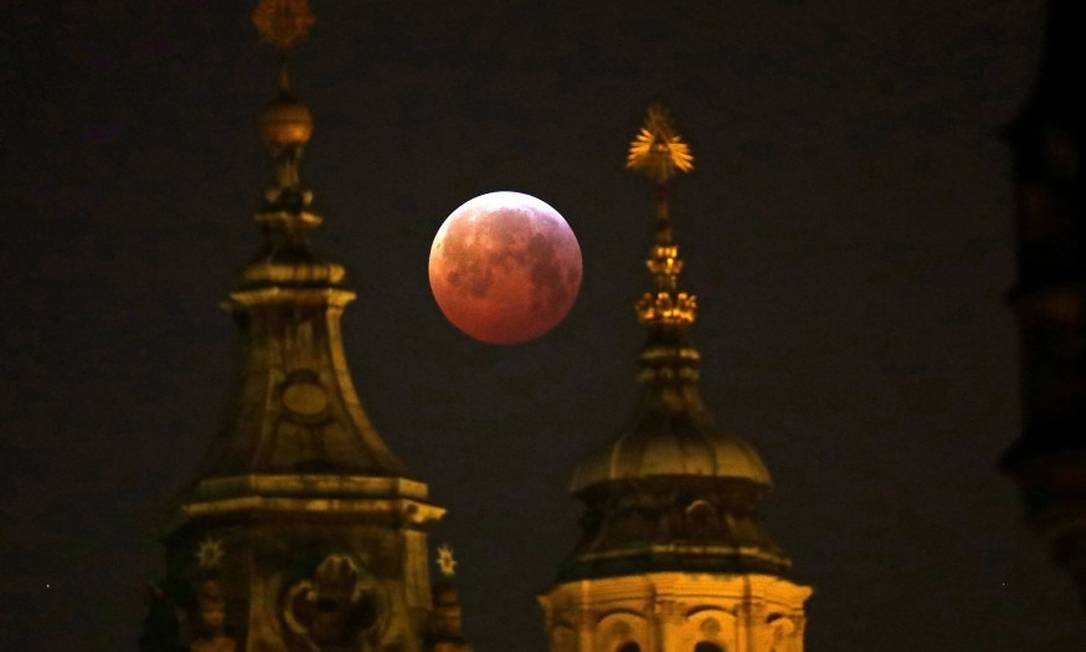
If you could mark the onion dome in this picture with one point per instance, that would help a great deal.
(663, 445)
(671, 432)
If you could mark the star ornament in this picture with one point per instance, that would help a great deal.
(209, 553)
(657, 150)
(283, 23)
(445, 561)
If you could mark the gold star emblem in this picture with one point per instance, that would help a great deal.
(209, 553)
(657, 150)
(445, 560)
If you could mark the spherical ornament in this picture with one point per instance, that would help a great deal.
(285, 122)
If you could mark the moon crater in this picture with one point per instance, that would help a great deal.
(505, 268)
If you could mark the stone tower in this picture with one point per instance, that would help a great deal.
(302, 530)
(1049, 298)
(672, 555)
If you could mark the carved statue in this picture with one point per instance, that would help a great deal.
(341, 608)
(211, 618)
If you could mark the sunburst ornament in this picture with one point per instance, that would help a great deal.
(209, 553)
(283, 23)
(445, 560)
(657, 150)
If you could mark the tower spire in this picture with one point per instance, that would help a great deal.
(285, 124)
(297, 408)
(302, 529)
(668, 363)
(671, 433)
(659, 153)
(673, 554)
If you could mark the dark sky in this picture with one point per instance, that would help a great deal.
(848, 231)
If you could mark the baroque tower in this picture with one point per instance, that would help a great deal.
(302, 530)
(672, 555)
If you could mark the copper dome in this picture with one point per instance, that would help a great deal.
(673, 440)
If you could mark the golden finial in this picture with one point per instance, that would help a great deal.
(658, 150)
(659, 153)
(283, 23)
(445, 560)
(285, 123)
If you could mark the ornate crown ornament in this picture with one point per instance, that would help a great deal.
(283, 23)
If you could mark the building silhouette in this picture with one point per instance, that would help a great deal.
(1049, 297)
(672, 554)
(303, 531)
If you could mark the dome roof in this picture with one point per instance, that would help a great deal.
(673, 443)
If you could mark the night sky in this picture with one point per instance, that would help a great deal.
(848, 230)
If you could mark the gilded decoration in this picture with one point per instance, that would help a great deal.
(283, 23)
(209, 553)
(658, 151)
(446, 562)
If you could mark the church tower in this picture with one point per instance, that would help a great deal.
(1048, 140)
(672, 555)
(302, 530)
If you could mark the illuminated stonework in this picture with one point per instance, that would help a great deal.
(301, 531)
(675, 612)
(673, 555)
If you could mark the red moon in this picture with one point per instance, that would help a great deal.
(505, 268)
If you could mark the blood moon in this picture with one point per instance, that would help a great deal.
(505, 267)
